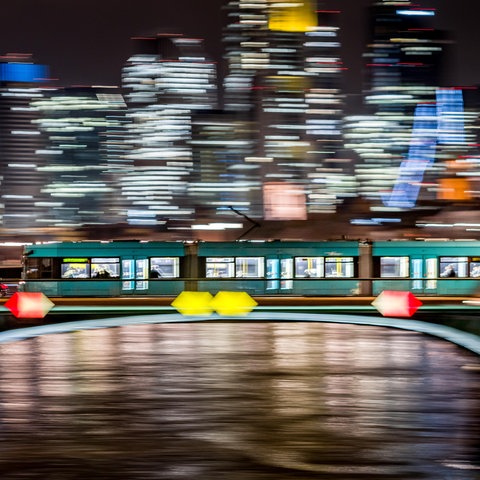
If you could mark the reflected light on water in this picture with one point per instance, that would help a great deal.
(238, 400)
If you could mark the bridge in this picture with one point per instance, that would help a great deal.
(436, 312)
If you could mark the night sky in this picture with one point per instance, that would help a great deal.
(86, 42)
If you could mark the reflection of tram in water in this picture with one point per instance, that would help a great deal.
(257, 267)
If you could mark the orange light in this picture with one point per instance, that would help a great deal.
(454, 189)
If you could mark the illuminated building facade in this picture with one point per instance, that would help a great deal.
(284, 68)
(21, 181)
(165, 81)
(80, 160)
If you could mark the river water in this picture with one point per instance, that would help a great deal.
(239, 401)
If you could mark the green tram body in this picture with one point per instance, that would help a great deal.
(281, 269)
(324, 268)
(425, 261)
(46, 268)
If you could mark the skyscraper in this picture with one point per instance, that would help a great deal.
(284, 68)
(21, 143)
(166, 79)
(80, 161)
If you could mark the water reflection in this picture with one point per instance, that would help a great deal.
(238, 401)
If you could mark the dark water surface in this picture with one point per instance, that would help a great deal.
(239, 401)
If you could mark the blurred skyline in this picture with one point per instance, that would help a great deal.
(349, 163)
(88, 42)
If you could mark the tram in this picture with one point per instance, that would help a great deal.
(323, 268)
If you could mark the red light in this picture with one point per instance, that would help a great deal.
(392, 303)
(29, 304)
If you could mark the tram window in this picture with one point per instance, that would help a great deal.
(475, 269)
(250, 267)
(309, 267)
(339, 267)
(128, 269)
(394, 267)
(39, 268)
(459, 265)
(75, 270)
(286, 272)
(105, 267)
(220, 267)
(286, 268)
(164, 267)
(141, 272)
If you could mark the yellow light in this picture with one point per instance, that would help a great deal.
(224, 303)
(194, 303)
(233, 303)
(292, 16)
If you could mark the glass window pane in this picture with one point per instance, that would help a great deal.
(220, 267)
(339, 267)
(273, 268)
(286, 273)
(394, 267)
(249, 267)
(309, 267)
(105, 268)
(39, 268)
(75, 270)
(141, 266)
(273, 273)
(287, 268)
(417, 272)
(431, 266)
(453, 267)
(475, 269)
(128, 271)
(164, 267)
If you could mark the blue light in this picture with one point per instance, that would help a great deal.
(426, 13)
(442, 123)
(23, 72)
(420, 155)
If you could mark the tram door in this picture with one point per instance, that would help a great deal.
(431, 272)
(423, 274)
(134, 275)
(279, 275)
(417, 274)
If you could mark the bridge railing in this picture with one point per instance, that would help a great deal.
(333, 286)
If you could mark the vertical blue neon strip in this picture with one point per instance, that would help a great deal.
(420, 155)
(442, 123)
